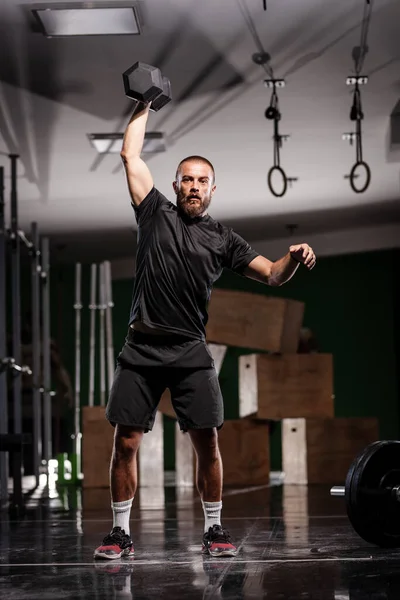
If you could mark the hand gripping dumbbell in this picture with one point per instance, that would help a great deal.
(145, 84)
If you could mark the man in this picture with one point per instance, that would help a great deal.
(181, 253)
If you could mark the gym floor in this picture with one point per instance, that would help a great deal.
(295, 542)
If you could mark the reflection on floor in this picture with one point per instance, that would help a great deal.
(295, 542)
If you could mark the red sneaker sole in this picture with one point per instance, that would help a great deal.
(105, 556)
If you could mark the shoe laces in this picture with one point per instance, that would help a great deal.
(217, 534)
(117, 536)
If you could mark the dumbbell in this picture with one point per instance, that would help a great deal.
(372, 494)
(145, 83)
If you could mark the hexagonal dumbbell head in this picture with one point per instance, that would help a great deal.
(164, 97)
(143, 83)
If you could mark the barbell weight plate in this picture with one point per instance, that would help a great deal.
(372, 510)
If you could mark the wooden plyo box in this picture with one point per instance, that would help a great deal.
(97, 444)
(290, 385)
(244, 447)
(322, 450)
(96, 499)
(254, 321)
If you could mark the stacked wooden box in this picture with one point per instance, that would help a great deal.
(97, 443)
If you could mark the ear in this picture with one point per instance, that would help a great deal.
(214, 187)
(175, 186)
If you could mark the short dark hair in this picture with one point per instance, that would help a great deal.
(195, 158)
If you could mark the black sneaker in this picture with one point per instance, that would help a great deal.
(116, 544)
(217, 542)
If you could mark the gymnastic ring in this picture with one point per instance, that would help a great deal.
(284, 178)
(353, 175)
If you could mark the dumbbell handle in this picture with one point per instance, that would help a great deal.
(140, 106)
(337, 490)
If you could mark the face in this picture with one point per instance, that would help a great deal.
(194, 188)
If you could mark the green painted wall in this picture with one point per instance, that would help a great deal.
(352, 306)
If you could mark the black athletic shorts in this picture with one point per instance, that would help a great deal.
(147, 365)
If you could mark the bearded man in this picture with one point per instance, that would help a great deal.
(181, 252)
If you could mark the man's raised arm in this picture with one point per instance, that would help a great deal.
(138, 176)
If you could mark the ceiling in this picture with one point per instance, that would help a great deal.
(53, 92)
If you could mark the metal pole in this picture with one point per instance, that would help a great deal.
(36, 354)
(77, 435)
(47, 441)
(15, 298)
(109, 327)
(92, 307)
(102, 307)
(3, 342)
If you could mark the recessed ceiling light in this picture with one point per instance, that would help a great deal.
(111, 143)
(106, 143)
(91, 18)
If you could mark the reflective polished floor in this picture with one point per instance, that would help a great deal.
(295, 542)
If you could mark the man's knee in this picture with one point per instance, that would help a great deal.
(127, 440)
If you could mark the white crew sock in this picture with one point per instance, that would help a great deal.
(212, 514)
(121, 514)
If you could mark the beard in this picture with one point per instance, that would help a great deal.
(192, 205)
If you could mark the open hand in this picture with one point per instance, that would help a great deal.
(304, 254)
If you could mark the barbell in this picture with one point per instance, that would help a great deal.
(372, 493)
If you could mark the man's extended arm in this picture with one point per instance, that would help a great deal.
(279, 272)
(138, 176)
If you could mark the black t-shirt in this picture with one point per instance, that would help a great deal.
(178, 260)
